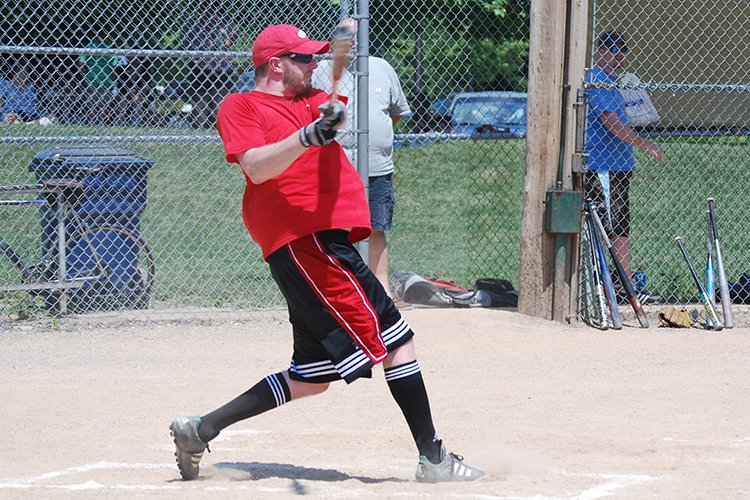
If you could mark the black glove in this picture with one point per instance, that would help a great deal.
(323, 130)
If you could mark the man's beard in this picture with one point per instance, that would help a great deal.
(295, 86)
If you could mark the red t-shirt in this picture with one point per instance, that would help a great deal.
(321, 190)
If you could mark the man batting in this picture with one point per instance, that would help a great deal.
(305, 205)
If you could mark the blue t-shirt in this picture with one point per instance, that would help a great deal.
(606, 152)
(17, 100)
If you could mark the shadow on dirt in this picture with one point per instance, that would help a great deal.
(254, 471)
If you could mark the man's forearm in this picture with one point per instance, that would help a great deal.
(266, 162)
(623, 131)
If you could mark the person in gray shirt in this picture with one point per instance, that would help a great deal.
(211, 78)
(387, 105)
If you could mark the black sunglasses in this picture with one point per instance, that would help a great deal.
(300, 58)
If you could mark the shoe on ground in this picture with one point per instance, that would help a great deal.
(647, 298)
(189, 447)
(643, 297)
(450, 469)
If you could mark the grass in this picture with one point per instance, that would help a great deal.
(670, 200)
(458, 210)
(458, 213)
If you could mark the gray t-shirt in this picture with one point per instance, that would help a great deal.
(386, 100)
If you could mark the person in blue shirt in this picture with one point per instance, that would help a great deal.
(18, 99)
(610, 141)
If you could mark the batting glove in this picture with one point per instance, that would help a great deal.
(323, 130)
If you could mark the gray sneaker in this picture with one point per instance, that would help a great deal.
(450, 468)
(189, 446)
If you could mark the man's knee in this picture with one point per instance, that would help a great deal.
(299, 389)
(403, 354)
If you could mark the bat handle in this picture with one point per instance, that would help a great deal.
(716, 323)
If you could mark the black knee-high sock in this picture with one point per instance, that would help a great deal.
(267, 394)
(407, 387)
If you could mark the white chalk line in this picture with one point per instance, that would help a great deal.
(103, 465)
(613, 483)
(226, 434)
(31, 481)
(740, 443)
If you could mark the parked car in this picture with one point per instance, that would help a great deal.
(489, 115)
(443, 106)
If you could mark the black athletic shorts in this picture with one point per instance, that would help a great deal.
(342, 319)
(618, 222)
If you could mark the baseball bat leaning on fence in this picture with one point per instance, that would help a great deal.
(627, 285)
(726, 301)
(600, 301)
(710, 280)
(710, 309)
(609, 286)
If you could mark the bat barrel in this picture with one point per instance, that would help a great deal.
(627, 285)
(726, 301)
(710, 309)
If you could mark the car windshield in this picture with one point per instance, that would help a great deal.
(489, 110)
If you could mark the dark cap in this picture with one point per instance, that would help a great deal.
(612, 41)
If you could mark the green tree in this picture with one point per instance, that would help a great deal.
(442, 47)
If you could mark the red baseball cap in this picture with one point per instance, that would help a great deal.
(278, 39)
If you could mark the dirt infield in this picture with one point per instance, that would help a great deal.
(551, 411)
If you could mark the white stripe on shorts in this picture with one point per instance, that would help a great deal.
(395, 332)
(311, 370)
(356, 286)
(353, 362)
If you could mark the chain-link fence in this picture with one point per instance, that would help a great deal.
(118, 99)
(121, 97)
(691, 59)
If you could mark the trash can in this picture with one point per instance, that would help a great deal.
(113, 198)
